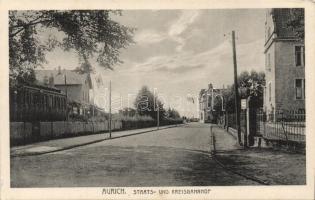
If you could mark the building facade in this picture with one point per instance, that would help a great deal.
(76, 86)
(285, 64)
(207, 99)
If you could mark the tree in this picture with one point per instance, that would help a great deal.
(85, 67)
(250, 84)
(90, 33)
(146, 103)
(130, 112)
(172, 113)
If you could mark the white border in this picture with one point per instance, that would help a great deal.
(226, 192)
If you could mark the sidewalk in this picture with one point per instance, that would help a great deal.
(68, 143)
(267, 165)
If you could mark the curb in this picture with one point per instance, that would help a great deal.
(25, 154)
(232, 132)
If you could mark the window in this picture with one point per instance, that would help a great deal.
(209, 101)
(299, 56)
(299, 89)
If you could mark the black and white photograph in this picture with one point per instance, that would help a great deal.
(188, 99)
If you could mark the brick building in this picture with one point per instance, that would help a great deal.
(284, 66)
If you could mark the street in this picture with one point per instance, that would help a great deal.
(178, 156)
(159, 103)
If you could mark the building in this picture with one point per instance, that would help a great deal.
(33, 103)
(284, 66)
(207, 99)
(76, 86)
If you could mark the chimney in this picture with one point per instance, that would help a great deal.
(51, 81)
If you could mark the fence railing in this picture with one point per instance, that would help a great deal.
(282, 125)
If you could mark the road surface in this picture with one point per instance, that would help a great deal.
(171, 157)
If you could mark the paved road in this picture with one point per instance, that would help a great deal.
(170, 157)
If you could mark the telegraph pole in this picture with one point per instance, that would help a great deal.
(158, 115)
(93, 110)
(110, 109)
(66, 90)
(212, 100)
(237, 103)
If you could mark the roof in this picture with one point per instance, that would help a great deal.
(281, 18)
(215, 90)
(42, 87)
(72, 77)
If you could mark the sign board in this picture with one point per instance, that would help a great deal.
(243, 104)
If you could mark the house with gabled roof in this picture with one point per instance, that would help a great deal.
(75, 85)
(207, 100)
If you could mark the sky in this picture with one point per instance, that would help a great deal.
(176, 54)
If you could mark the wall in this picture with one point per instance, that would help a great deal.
(23, 132)
(269, 24)
(74, 91)
(282, 71)
(86, 91)
(286, 73)
(269, 103)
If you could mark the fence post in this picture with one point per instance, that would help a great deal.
(245, 130)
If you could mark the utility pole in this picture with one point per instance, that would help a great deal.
(93, 108)
(212, 100)
(158, 115)
(110, 109)
(237, 103)
(66, 90)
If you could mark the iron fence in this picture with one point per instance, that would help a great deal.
(285, 125)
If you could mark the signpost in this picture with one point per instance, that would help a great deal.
(243, 104)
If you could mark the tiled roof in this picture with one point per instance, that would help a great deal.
(73, 78)
(282, 17)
